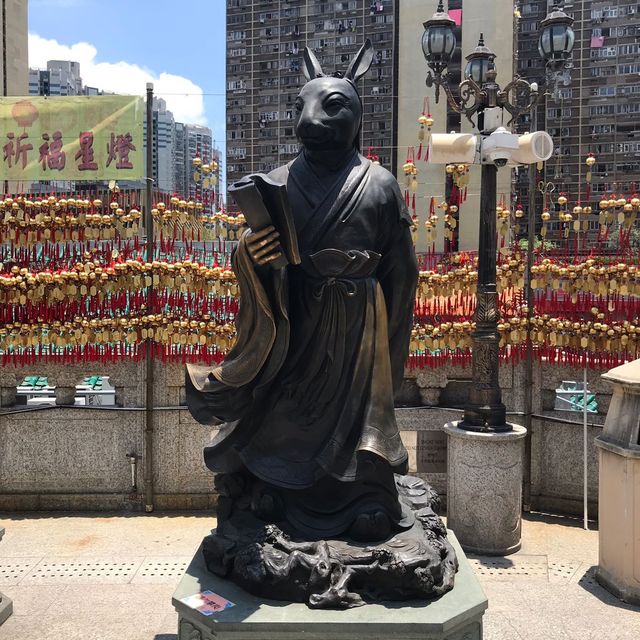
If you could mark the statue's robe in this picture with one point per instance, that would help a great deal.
(305, 398)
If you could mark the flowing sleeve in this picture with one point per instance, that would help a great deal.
(398, 277)
(225, 392)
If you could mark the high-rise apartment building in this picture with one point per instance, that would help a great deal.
(264, 74)
(195, 141)
(198, 143)
(163, 145)
(60, 78)
(14, 66)
(599, 111)
(495, 21)
(40, 82)
(181, 163)
(69, 74)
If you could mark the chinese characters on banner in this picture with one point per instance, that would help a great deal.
(72, 138)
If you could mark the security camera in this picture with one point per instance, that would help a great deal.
(498, 147)
(502, 148)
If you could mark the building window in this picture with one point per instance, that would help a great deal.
(604, 52)
(603, 91)
(555, 112)
(602, 110)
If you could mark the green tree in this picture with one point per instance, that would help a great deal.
(613, 241)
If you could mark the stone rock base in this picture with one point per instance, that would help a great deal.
(457, 615)
(417, 562)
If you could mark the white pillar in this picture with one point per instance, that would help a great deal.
(619, 487)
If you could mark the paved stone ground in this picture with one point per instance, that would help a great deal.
(109, 577)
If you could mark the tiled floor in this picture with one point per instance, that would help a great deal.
(111, 578)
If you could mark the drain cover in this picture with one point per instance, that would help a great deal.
(507, 568)
(12, 570)
(563, 571)
(78, 571)
(161, 569)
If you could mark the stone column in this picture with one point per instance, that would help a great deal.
(430, 397)
(619, 487)
(8, 396)
(65, 395)
(8, 388)
(484, 488)
(64, 381)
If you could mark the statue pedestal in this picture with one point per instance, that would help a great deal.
(484, 489)
(6, 606)
(619, 487)
(457, 615)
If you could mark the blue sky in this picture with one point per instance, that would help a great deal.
(121, 44)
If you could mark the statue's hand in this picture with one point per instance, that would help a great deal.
(264, 246)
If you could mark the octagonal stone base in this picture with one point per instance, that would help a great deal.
(457, 615)
(6, 606)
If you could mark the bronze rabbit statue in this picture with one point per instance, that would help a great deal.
(305, 399)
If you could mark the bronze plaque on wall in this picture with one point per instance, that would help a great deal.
(432, 452)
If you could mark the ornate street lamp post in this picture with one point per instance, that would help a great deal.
(481, 95)
(555, 45)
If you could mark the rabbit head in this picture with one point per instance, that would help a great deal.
(328, 107)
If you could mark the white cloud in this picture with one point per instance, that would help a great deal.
(184, 97)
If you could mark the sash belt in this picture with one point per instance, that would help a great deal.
(345, 286)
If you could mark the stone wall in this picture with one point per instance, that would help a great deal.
(556, 436)
(557, 465)
(447, 383)
(78, 458)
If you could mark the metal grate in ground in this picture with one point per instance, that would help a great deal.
(72, 571)
(46, 571)
(563, 571)
(512, 566)
(161, 569)
(12, 570)
(586, 578)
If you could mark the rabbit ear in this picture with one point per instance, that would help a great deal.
(311, 67)
(361, 63)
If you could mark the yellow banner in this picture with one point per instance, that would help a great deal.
(72, 138)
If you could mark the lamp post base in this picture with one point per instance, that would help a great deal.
(485, 419)
(484, 488)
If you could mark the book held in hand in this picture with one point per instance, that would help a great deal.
(264, 203)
